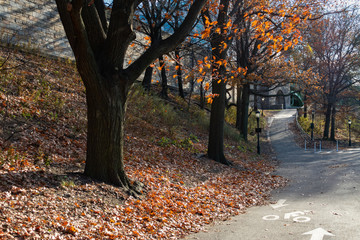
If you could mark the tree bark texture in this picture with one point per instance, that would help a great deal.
(106, 137)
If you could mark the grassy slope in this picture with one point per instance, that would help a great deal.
(42, 153)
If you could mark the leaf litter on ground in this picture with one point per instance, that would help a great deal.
(44, 195)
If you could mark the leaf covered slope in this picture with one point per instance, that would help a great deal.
(43, 194)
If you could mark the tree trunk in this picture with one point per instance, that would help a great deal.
(105, 136)
(238, 106)
(216, 134)
(105, 141)
(217, 116)
(146, 83)
(192, 84)
(255, 98)
(305, 105)
(327, 121)
(202, 95)
(333, 123)
(245, 111)
(164, 85)
(179, 73)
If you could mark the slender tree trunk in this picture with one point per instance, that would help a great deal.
(217, 120)
(255, 98)
(327, 120)
(333, 123)
(179, 73)
(192, 84)
(305, 105)
(217, 116)
(164, 84)
(238, 106)
(245, 111)
(202, 95)
(146, 83)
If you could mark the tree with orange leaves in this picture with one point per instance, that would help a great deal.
(267, 33)
(266, 28)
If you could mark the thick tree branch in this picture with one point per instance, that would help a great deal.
(94, 28)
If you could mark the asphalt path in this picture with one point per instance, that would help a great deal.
(321, 201)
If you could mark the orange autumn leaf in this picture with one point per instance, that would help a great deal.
(207, 86)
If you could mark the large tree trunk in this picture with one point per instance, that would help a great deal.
(146, 83)
(164, 84)
(333, 123)
(245, 111)
(105, 137)
(216, 134)
(238, 106)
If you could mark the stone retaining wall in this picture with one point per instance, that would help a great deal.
(33, 24)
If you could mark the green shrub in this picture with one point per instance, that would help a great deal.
(230, 115)
(305, 123)
(164, 142)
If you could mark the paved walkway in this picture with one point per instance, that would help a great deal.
(322, 200)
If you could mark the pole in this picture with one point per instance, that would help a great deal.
(314, 147)
(320, 147)
(305, 144)
(349, 134)
(337, 145)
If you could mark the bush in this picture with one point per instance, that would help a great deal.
(230, 115)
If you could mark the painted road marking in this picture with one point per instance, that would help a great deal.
(279, 204)
(301, 219)
(318, 234)
(295, 216)
(271, 217)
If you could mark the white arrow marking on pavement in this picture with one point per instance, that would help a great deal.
(293, 214)
(279, 204)
(318, 234)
